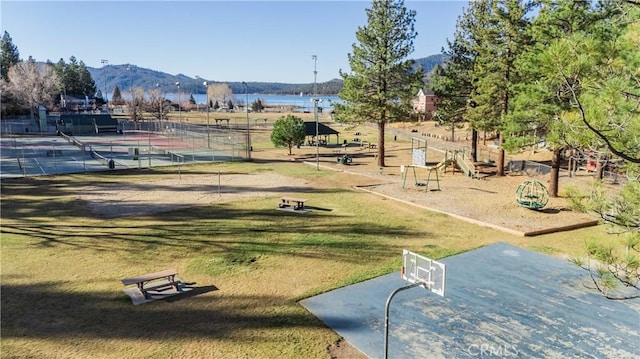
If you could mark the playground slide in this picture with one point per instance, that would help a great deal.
(466, 166)
(440, 165)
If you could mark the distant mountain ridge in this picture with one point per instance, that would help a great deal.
(128, 75)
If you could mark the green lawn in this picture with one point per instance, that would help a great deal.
(61, 266)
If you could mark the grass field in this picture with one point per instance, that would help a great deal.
(62, 265)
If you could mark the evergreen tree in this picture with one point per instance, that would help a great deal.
(72, 78)
(452, 83)
(59, 69)
(382, 81)
(500, 41)
(116, 97)
(539, 100)
(192, 100)
(288, 131)
(9, 55)
(230, 105)
(257, 106)
(87, 85)
(588, 76)
(76, 79)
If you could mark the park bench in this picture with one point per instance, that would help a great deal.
(154, 281)
(296, 203)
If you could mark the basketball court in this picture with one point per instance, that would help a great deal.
(499, 301)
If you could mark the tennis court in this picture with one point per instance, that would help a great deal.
(23, 156)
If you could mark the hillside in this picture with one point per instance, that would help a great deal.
(128, 75)
(430, 62)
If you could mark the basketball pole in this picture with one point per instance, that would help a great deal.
(386, 315)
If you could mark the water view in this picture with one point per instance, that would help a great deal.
(302, 103)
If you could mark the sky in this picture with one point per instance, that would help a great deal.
(253, 41)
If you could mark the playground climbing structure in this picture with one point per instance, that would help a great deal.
(452, 159)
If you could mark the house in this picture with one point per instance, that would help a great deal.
(77, 104)
(425, 103)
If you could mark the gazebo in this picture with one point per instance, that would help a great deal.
(324, 132)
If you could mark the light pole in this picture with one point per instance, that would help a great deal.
(246, 107)
(105, 62)
(315, 111)
(195, 92)
(133, 97)
(206, 87)
(179, 105)
(160, 100)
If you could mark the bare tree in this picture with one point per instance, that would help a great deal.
(31, 85)
(136, 104)
(220, 92)
(155, 104)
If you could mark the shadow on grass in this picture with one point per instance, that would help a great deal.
(193, 291)
(235, 230)
(43, 311)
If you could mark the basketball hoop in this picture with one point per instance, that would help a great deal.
(420, 271)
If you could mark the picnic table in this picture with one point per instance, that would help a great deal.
(154, 281)
(296, 203)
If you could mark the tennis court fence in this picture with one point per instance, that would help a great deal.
(136, 145)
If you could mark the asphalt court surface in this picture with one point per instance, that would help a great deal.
(50, 155)
(500, 301)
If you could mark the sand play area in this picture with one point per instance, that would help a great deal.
(488, 201)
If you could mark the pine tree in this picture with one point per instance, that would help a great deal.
(500, 41)
(87, 85)
(583, 93)
(116, 98)
(76, 79)
(540, 100)
(452, 83)
(9, 55)
(382, 81)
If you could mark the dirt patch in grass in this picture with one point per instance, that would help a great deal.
(166, 193)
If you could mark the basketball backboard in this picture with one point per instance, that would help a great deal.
(427, 272)
(418, 152)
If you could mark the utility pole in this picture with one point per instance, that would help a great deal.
(315, 110)
(105, 62)
(246, 107)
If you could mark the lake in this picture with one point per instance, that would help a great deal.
(302, 102)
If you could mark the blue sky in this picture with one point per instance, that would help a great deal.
(271, 41)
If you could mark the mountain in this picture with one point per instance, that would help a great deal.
(430, 62)
(128, 75)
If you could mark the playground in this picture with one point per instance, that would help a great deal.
(69, 240)
(488, 201)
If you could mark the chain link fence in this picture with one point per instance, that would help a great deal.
(135, 145)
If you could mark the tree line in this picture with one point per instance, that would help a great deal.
(27, 84)
(564, 74)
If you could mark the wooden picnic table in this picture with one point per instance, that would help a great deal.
(297, 203)
(144, 282)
